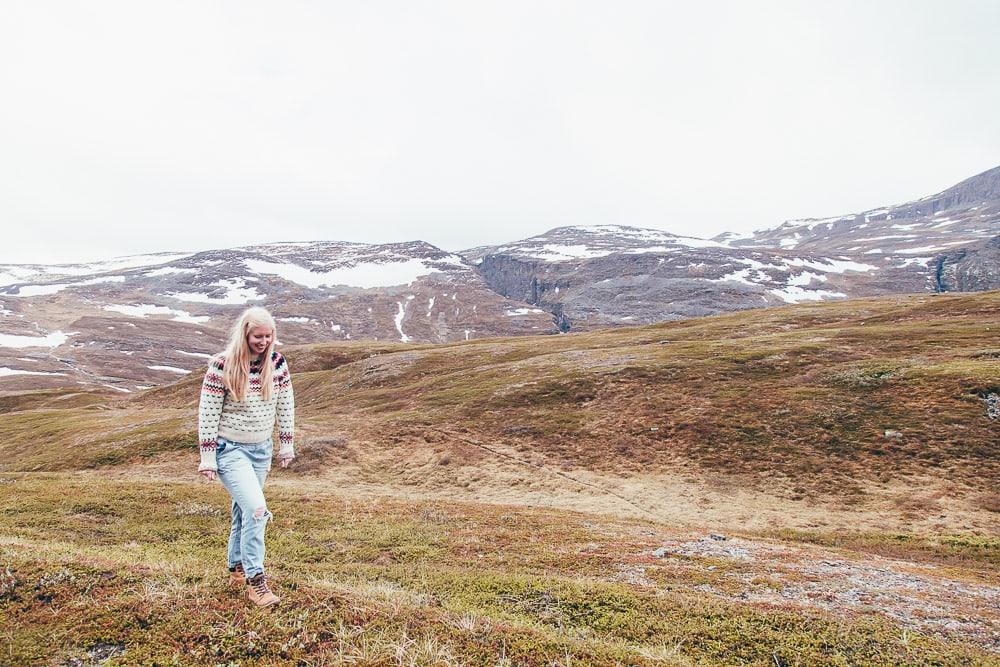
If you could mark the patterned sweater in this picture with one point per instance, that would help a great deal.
(249, 420)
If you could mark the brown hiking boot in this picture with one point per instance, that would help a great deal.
(259, 593)
(237, 577)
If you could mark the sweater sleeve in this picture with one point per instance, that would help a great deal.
(286, 411)
(213, 395)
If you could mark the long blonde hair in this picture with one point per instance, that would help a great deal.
(236, 367)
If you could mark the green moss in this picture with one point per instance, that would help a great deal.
(968, 549)
(99, 564)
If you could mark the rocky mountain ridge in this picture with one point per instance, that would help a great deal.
(142, 322)
(612, 274)
(952, 216)
(133, 322)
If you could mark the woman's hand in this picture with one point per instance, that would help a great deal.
(209, 474)
(284, 461)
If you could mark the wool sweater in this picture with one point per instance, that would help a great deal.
(249, 420)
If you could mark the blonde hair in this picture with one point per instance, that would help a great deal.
(236, 367)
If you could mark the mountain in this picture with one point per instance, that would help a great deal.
(940, 232)
(611, 274)
(135, 322)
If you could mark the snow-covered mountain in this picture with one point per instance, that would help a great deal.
(610, 274)
(613, 274)
(932, 231)
(132, 322)
(588, 242)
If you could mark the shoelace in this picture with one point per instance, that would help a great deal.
(260, 586)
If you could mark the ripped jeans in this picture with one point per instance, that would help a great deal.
(243, 467)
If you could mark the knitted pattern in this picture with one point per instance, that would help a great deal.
(250, 420)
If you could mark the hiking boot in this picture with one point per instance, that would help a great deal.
(259, 593)
(237, 577)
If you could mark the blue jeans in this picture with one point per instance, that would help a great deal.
(243, 467)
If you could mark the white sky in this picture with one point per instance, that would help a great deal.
(130, 127)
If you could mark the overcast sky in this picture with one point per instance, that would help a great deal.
(134, 126)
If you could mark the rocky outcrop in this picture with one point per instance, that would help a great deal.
(972, 269)
(512, 277)
(597, 277)
(979, 189)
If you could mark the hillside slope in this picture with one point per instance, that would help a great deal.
(842, 405)
(807, 484)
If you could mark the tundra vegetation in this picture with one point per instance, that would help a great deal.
(811, 484)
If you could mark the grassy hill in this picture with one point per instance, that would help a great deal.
(503, 501)
(835, 402)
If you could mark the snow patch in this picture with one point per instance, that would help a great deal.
(130, 262)
(171, 369)
(753, 263)
(914, 261)
(45, 290)
(365, 275)
(168, 270)
(194, 354)
(97, 281)
(399, 322)
(39, 290)
(805, 278)
(874, 214)
(237, 293)
(13, 371)
(827, 265)
(146, 309)
(54, 339)
(555, 253)
(692, 242)
(795, 294)
(15, 274)
(740, 276)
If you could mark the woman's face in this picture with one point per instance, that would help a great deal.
(258, 338)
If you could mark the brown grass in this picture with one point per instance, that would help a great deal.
(818, 403)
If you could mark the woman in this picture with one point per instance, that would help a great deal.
(245, 387)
